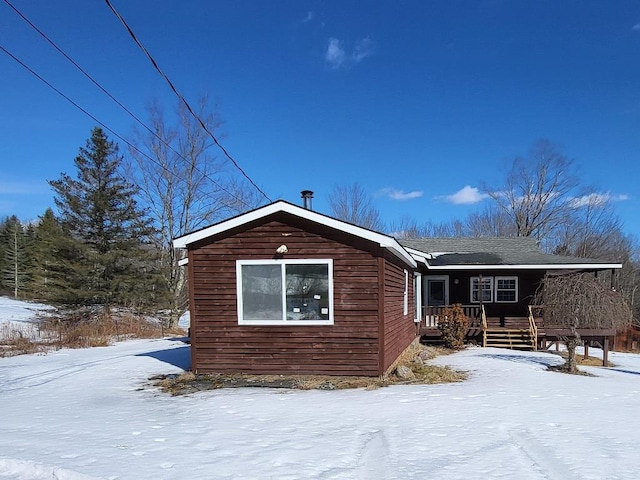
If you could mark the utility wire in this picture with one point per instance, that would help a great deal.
(106, 92)
(106, 127)
(179, 95)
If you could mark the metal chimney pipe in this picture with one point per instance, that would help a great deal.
(307, 196)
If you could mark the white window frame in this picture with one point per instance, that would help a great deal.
(480, 289)
(283, 263)
(425, 284)
(512, 277)
(417, 296)
(405, 298)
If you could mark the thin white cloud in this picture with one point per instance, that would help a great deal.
(467, 195)
(338, 56)
(362, 50)
(310, 16)
(335, 55)
(596, 199)
(636, 27)
(394, 194)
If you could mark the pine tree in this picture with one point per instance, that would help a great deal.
(14, 269)
(105, 255)
(48, 271)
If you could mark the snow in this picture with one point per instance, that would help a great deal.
(184, 321)
(92, 414)
(18, 317)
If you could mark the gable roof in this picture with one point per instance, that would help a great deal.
(384, 241)
(463, 253)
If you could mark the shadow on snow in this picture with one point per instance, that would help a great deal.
(545, 362)
(178, 357)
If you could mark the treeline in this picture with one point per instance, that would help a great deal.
(109, 242)
(541, 196)
(97, 251)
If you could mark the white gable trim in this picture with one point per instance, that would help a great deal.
(549, 266)
(423, 257)
(384, 241)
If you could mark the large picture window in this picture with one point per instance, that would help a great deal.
(285, 292)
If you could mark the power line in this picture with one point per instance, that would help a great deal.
(179, 95)
(106, 127)
(106, 92)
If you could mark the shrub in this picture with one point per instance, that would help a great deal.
(453, 324)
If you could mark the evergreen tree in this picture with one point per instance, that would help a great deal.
(105, 256)
(48, 273)
(14, 265)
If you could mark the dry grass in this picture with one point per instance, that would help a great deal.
(78, 329)
(581, 361)
(102, 330)
(424, 374)
(16, 339)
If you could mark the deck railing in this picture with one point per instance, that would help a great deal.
(483, 315)
(431, 315)
(533, 330)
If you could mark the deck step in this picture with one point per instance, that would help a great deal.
(516, 339)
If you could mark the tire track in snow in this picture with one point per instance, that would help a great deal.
(374, 457)
(23, 469)
(48, 376)
(543, 458)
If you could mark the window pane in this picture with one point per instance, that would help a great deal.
(436, 292)
(307, 291)
(486, 294)
(487, 289)
(505, 296)
(506, 284)
(506, 289)
(262, 292)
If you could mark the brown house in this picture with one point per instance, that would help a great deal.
(497, 276)
(501, 273)
(283, 289)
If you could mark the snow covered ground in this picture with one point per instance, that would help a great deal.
(87, 414)
(18, 316)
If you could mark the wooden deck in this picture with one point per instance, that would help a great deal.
(513, 332)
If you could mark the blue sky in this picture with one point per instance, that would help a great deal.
(418, 101)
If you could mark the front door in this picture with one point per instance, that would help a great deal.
(437, 291)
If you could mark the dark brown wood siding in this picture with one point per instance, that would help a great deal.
(627, 340)
(399, 329)
(349, 347)
(460, 292)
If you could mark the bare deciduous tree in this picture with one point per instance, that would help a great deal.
(183, 184)
(577, 301)
(537, 190)
(491, 222)
(408, 227)
(594, 231)
(353, 204)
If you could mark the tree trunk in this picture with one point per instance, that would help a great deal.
(572, 342)
(571, 364)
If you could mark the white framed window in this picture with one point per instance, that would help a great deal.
(406, 293)
(486, 290)
(417, 296)
(507, 289)
(285, 292)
